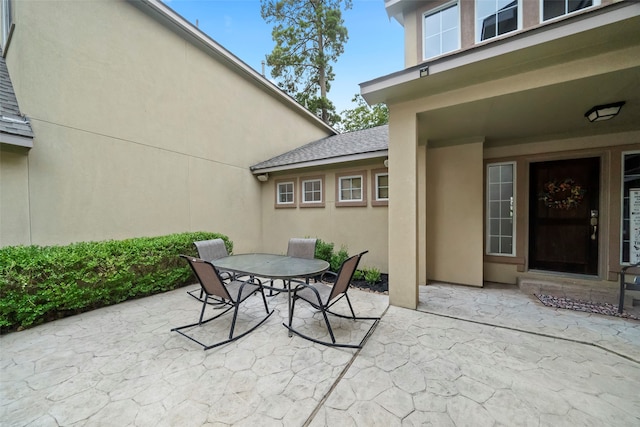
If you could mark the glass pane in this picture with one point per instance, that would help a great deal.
(506, 191)
(574, 5)
(383, 180)
(494, 191)
(506, 245)
(432, 46)
(505, 209)
(383, 193)
(450, 18)
(506, 227)
(485, 8)
(494, 173)
(552, 8)
(494, 245)
(450, 40)
(506, 173)
(508, 21)
(345, 195)
(357, 194)
(432, 25)
(346, 183)
(356, 182)
(494, 227)
(494, 209)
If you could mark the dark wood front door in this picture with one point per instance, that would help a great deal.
(563, 216)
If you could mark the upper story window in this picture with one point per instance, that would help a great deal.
(442, 30)
(495, 17)
(285, 194)
(554, 8)
(312, 189)
(351, 189)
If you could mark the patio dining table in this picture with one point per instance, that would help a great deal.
(273, 266)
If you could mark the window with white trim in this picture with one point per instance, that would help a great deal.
(382, 186)
(496, 17)
(285, 193)
(351, 189)
(554, 8)
(312, 192)
(441, 30)
(630, 233)
(500, 208)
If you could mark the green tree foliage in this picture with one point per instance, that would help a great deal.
(363, 116)
(310, 36)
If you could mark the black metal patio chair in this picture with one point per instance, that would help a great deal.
(232, 294)
(209, 250)
(297, 248)
(323, 298)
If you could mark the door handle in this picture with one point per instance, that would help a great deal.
(594, 224)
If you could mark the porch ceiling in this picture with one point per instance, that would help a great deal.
(550, 112)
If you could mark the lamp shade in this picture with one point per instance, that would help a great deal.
(604, 112)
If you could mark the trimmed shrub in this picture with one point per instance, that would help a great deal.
(43, 283)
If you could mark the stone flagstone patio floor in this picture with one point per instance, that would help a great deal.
(478, 357)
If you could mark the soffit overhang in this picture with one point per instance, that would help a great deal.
(532, 86)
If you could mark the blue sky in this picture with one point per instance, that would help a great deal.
(375, 47)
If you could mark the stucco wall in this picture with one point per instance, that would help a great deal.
(357, 228)
(14, 195)
(454, 214)
(138, 130)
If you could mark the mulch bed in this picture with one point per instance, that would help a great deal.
(380, 287)
(585, 306)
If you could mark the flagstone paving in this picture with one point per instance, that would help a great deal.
(481, 357)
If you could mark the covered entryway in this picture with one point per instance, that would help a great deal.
(563, 215)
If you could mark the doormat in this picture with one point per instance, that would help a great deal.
(585, 306)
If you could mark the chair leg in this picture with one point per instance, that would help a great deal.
(350, 306)
(326, 320)
(233, 322)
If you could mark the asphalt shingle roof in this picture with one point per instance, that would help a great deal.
(335, 146)
(11, 121)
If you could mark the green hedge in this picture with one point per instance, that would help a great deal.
(43, 283)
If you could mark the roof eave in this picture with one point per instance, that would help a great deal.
(17, 140)
(377, 90)
(321, 162)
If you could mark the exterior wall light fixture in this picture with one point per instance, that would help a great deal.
(604, 112)
(263, 178)
(386, 163)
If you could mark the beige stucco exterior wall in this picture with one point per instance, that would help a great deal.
(454, 216)
(14, 195)
(138, 131)
(357, 228)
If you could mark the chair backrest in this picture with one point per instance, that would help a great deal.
(208, 276)
(345, 274)
(302, 248)
(209, 250)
